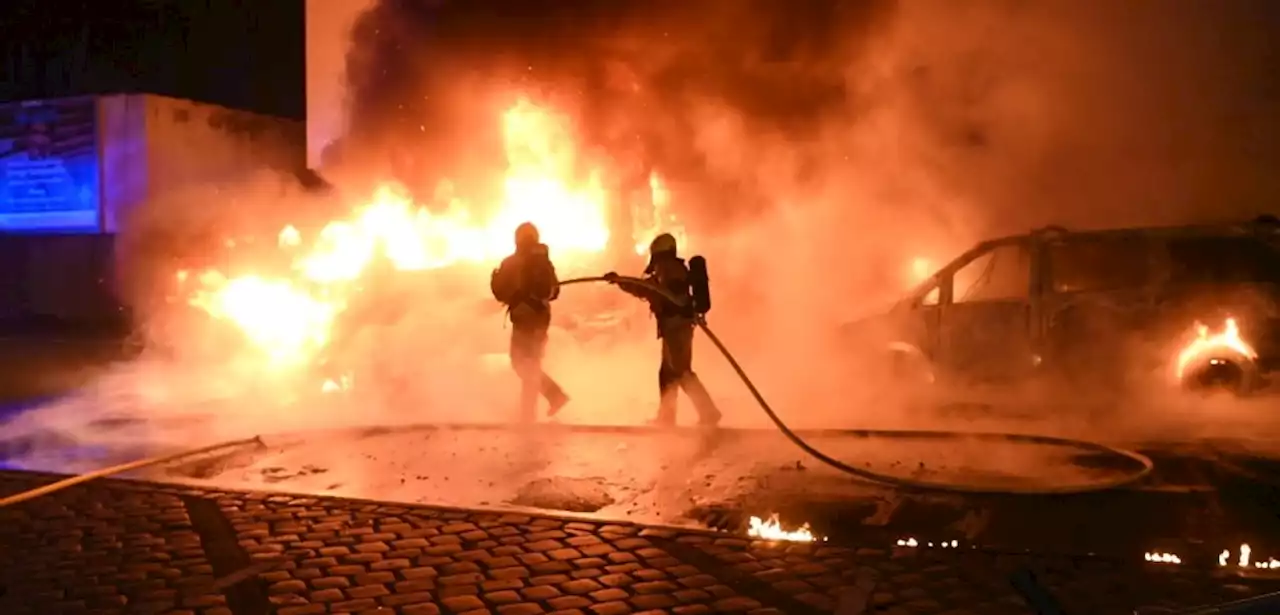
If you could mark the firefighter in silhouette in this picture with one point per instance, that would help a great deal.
(526, 283)
(675, 328)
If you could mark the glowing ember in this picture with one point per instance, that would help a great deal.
(1210, 345)
(1157, 557)
(772, 530)
(289, 316)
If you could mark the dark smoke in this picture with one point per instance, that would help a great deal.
(630, 70)
(1025, 113)
(1101, 113)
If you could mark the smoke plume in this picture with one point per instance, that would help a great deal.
(816, 147)
(1022, 113)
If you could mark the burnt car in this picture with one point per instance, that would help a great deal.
(1195, 306)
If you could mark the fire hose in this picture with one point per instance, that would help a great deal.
(1143, 463)
(120, 469)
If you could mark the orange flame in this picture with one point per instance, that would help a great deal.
(772, 530)
(1161, 557)
(658, 219)
(921, 269)
(289, 317)
(1208, 345)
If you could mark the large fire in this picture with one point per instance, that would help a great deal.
(289, 316)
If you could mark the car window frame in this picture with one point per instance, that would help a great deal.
(1026, 243)
(1174, 276)
(1157, 252)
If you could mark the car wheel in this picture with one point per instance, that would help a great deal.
(1236, 375)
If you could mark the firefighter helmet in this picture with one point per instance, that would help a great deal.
(526, 235)
(663, 243)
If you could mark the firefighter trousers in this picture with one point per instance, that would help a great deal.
(528, 345)
(677, 374)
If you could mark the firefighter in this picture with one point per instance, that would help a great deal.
(526, 283)
(675, 328)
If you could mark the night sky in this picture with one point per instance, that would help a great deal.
(218, 51)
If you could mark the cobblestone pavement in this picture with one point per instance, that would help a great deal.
(126, 547)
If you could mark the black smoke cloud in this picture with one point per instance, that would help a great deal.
(1016, 113)
(629, 71)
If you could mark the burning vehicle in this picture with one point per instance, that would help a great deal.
(1196, 307)
(359, 281)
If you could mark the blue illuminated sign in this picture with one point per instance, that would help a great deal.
(49, 166)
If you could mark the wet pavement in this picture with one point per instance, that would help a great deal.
(1198, 503)
(113, 546)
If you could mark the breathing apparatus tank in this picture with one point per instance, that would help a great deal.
(699, 285)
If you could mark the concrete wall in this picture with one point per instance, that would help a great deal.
(329, 24)
(151, 144)
(122, 154)
(190, 143)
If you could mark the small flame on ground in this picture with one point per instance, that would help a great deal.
(772, 530)
(912, 543)
(1159, 557)
(1245, 559)
(1208, 344)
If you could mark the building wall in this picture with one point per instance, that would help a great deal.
(49, 175)
(154, 144)
(145, 145)
(122, 151)
(193, 143)
(328, 24)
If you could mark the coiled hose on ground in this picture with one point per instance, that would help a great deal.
(1143, 463)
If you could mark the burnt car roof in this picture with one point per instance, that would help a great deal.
(1264, 225)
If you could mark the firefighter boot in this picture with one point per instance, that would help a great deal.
(666, 408)
(708, 413)
(556, 397)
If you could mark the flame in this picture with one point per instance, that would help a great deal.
(336, 386)
(289, 316)
(1208, 344)
(911, 543)
(921, 269)
(1245, 559)
(657, 218)
(772, 530)
(1159, 557)
(278, 318)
